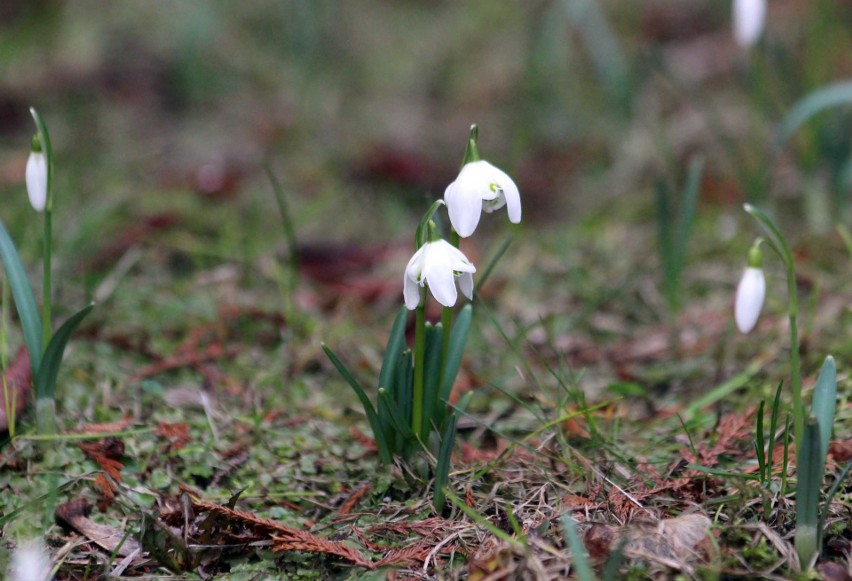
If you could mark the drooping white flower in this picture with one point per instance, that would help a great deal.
(749, 17)
(438, 264)
(37, 180)
(480, 187)
(750, 295)
(30, 563)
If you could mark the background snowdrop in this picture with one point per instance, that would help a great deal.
(36, 177)
(749, 17)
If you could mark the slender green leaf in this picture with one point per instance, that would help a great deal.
(773, 425)
(394, 414)
(369, 410)
(24, 298)
(758, 444)
(431, 379)
(442, 469)
(580, 563)
(458, 340)
(404, 381)
(825, 402)
(45, 379)
(393, 352)
(809, 478)
(831, 96)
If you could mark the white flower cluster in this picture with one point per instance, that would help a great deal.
(437, 264)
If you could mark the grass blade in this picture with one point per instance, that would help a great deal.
(286, 224)
(758, 445)
(481, 520)
(369, 410)
(580, 561)
(24, 298)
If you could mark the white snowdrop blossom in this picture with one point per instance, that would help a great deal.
(750, 295)
(438, 264)
(30, 563)
(37, 180)
(749, 17)
(480, 187)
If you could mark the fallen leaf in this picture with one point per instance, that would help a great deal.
(74, 515)
(19, 385)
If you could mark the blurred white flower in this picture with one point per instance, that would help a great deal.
(750, 295)
(480, 187)
(30, 562)
(438, 264)
(37, 180)
(749, 17)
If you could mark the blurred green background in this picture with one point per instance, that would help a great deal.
(363, 107)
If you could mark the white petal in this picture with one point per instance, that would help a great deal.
(411, 293)
(36, 175)
(466, 285)
(438, 271)
(750, 295)
(512, 195)
(464, 209)
(457, 260)
(749, 17)
(414, 268)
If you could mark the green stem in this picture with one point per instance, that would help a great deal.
(46, 287)
(447, 324)
(795, 362)
(419, 364)
(780, 246)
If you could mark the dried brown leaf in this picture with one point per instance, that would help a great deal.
(74, 515)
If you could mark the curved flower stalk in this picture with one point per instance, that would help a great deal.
(749, 17)
(751, 292)
(36, 176)
(480, 187)
(437, 264)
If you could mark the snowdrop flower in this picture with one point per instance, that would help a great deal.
(480, 186)
(437, 263)
(749, 17)
(30, 563)
(750, 292)
(37, 177)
